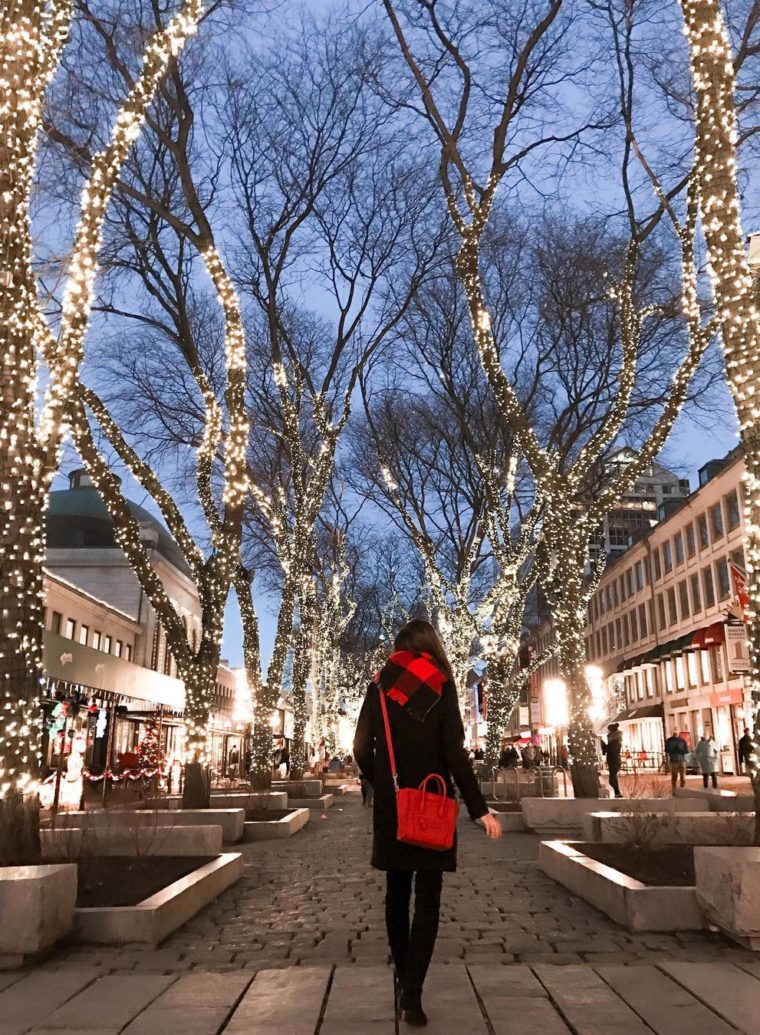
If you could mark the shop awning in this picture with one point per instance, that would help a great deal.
(644, 711)
(704, 638)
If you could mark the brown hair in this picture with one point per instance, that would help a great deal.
(420, 637)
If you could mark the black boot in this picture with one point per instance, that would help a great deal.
(411, 1010)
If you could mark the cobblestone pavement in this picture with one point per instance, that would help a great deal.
(314, 900)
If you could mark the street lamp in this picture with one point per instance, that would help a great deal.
(595, 680)
(556, 708)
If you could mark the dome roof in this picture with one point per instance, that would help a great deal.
(77, 518)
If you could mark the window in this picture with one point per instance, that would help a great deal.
(55, 623)
(696, 600)
(733, 514)
(704, 538)
(672, 609)
(657, 568)
(669, 676)
(604, 640)
(618, 633)
(691, 541)
(640, 686)
(737, 557)
(96, 639)
(629, 583)
(634, 626)
(84, 632)
(642, 621)
(667, 557)
(639, 572)
(704, 662)
(724, 579)
(717, 664)
(680, 673)
(661, 610)
(709, 588)
(71, 628)
(678, 548)
(716, 521)
(107, 644)
(683, 597)
(691, 666)
(118, 649)
(614, 594)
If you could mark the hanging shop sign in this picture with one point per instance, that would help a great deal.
(737, 648)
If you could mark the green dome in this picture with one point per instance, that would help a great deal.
(77, 518)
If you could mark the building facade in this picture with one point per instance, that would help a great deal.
(665, 640)
(105, 652)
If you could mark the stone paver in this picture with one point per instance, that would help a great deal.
(730, 992)
(666, 1007)
(298, 947)
(282, 1001)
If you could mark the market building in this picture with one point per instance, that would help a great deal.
(105, 653)
(665, 641)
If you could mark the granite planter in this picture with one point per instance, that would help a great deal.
(37, 909)
(728, 890)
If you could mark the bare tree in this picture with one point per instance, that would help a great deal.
(32, 37)
(488, 127)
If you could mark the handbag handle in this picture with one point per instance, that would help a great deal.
(436, 778)
(388, 739)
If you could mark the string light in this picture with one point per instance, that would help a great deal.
(31, 40)
(716, 185)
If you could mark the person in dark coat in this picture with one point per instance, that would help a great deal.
(428, 737)
(613, 750)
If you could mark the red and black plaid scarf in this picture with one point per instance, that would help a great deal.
(413, 680)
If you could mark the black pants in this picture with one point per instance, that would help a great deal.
(714, 779)
(614, 783)
(412, 945)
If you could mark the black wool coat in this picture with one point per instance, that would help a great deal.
(433, 746)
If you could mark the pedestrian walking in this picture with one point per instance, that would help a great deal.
(415, 693)
(676, 749)
(707, 756)
(612, 750)
(747, 752)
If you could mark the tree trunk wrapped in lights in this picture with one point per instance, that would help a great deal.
(32, 36)
(717, 189)
(571, 515)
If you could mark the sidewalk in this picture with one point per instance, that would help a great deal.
(303, 932)
(481, 999)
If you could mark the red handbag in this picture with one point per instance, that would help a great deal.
(425, 819)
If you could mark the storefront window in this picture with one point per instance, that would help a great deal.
(680, 675)
(717, 664)
(691, 662)
(704, 663)
(668, 667)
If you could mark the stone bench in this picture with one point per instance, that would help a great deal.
(273, 829)
(728, 890)
(73, 843)
(563, 817)
(719, 800)
(230, 820)
(689, 828)
(299, 788)
(324, 801)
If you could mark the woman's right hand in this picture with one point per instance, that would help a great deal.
(490, 824)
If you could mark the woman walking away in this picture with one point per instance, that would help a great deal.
(424, 735)
(707, 756)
